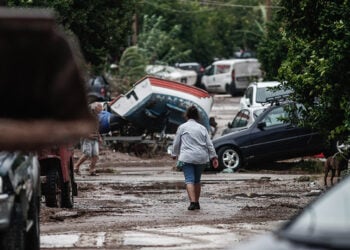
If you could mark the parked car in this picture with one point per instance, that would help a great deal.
(231, 76)
(243, 119)
(187, 77)
(323, 224)
(197, 67)
(19, 201)
(257, 94)
(269, 138)
(57, 179)
(98, 89)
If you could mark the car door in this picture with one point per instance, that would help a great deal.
(207, 78)
(274, 139)
(222, 76)
(247, 99)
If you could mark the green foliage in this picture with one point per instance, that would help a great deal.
(272, 50)
(316, 66)
(210, 30)
(131, 67)
(158, 45)
(155, 46)
(102, 27)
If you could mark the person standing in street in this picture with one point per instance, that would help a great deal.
(194, 150)
(90, 145)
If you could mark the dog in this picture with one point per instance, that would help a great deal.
(336, 163)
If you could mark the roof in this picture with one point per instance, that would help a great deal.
(266, 84)
(229, 61)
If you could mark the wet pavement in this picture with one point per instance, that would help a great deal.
(146, 208)
(141, 203)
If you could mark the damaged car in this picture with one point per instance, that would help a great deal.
(19, 201)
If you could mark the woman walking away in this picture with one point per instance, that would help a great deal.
(194, 149)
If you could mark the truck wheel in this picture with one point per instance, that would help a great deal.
(13, 237)
(33, 235)
(53, 190)
(67, 195)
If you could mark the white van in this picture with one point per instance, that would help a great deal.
(231, 76)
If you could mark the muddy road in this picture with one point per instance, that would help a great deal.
(141, 203)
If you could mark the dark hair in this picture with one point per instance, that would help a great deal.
(192, 113)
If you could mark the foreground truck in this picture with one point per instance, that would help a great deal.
(58, 185)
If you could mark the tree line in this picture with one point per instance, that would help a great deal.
(302, 43)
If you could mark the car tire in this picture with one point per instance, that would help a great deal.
(13, 237)
(229, 157)
(233, 90)
(53, 192)
(33, 236)
(67, 195)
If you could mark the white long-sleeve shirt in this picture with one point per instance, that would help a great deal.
(192, 143)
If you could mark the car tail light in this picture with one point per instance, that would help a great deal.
(233, 75)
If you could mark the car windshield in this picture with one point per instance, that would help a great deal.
(324, 222)
(257, 112)
(241, 119)
(266, 92)
(222, 68)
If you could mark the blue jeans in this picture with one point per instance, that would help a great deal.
(192, 172)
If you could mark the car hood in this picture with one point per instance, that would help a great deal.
(231, 137)
(231, 130)
(270, 241)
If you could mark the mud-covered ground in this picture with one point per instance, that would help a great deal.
(138, 203)
(141, 202)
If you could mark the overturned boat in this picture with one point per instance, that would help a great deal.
(159, 105)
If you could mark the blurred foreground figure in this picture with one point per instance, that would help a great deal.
(42, 95)
(42, 105)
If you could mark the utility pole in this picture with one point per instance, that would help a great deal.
(268, 10)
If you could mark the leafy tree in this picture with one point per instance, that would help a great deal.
(272, 50)
(158, 45)
(131, 68)
(103, 27)
(316, 66)
(214, 29)
(155, 46)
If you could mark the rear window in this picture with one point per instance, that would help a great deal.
(189, 67)
(263, 93)
(222, 68)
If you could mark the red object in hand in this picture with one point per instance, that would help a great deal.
(215, 162)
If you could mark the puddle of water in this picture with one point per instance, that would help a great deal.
(132, 238)
(171, 238)
(59, 240)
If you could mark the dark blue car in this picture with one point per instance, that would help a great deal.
(269, 138)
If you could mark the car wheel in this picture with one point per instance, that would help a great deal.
(33, 235)
(67, 195)
(229, 158)
(53, 191)
(13, 237)
(233, 89)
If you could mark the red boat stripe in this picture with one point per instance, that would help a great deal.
(178, 86)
